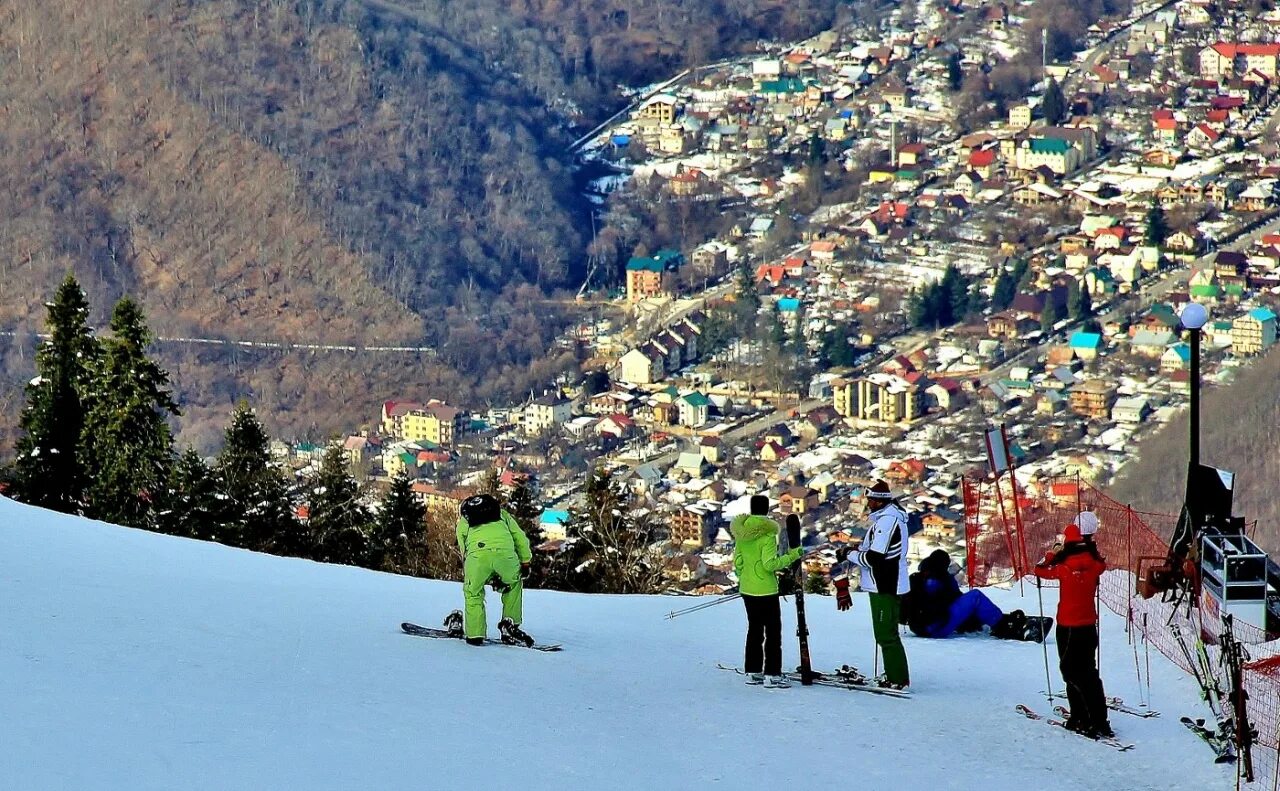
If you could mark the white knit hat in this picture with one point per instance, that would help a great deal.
(1087, 521)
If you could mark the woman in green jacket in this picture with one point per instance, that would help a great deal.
(757, 561)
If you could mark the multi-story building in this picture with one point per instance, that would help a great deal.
(544, 414)
(1221, 60)
(436, 500)
(1093, 399)
(1254, 332)
(1060, 156)
(435, 421)
(691, 524)
(645, 273)
(880, 397)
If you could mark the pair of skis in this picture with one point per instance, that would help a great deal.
(1118, 705)
(1221, 744)
(1110, 741)
(844, 678)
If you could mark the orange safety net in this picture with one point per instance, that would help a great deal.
(1009, 529)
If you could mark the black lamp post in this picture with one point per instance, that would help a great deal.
(1194, 316)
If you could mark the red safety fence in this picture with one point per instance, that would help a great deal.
(1007, 532)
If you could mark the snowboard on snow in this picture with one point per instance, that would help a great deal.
(428, 631)
(841, 679)
(1110, 741)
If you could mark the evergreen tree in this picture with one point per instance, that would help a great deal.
(524, 507)
(747, 304)
(338, 522)
(192, 505)
(955, 73)
(609, 546)
(1054, 104)
(1049, 315)
(1079, 304)
(1005, 290)
(1157, 225)
(399, 540)
(126, 436)
(260, 511)
(49, 471)
(817, 152)
(777, 332)
(816, 583)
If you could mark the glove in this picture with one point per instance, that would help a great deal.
(524, 570)
(842, 552)
(793, 531)
(843, 600)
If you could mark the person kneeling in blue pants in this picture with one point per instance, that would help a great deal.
(934, 606)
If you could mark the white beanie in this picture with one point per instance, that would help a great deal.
(1087, 521)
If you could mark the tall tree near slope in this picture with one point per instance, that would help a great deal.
(50, 470)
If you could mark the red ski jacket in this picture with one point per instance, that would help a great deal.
(1078, 573)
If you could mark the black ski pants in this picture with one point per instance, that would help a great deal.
(1077, 655)
(764, 635)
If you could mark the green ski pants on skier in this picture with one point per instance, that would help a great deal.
(884, 625)
(477, 570)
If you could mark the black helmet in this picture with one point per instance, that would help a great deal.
(481, 509)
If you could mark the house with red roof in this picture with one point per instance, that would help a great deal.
(1224, 59)
(984, 162)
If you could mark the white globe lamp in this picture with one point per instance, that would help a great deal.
(1194, 316)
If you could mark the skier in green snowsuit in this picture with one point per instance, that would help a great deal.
(494, 549)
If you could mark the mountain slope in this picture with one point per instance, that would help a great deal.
(1231, 416)
(137, 661)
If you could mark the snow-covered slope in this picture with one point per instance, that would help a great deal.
(135, 661)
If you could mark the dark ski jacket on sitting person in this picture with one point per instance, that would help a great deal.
(755, 555)
(1077, 568)
(932, 591)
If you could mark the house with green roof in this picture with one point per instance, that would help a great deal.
(1059, 155)
(694, 409)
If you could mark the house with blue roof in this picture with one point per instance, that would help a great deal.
(788, 305)
(553, 524)
(1176, 358)
(1086, 345)
(1254, 332)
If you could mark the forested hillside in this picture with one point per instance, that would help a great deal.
(324, 171)
(1238, 433)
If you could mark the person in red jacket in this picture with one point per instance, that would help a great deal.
(1077, 567)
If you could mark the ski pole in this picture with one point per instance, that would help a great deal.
(703, 606)
(1044, 647)
(1146, 651)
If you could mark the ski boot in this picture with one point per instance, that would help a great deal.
(884, 683)
(776, 682)
(453, 623)
(475, 641)
(755, 679)
(512, 634)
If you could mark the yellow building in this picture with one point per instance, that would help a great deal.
(883, 398)
(435, 422)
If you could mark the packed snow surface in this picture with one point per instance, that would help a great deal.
(136, 661)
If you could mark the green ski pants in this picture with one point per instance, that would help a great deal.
(884, 624)
(477, 570)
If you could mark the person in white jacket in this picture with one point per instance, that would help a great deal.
(882, 561)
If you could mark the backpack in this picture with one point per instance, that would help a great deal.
(481, 510)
